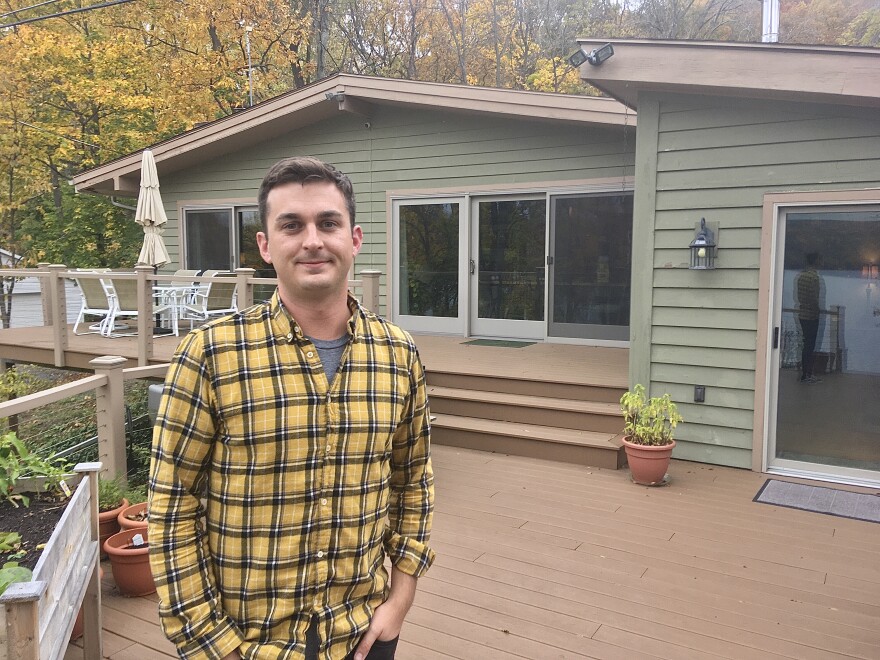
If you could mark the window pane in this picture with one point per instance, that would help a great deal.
(429, 260)
(592, 255)
(207, 239)
(511, 284)
(249, 253)
(829, 368)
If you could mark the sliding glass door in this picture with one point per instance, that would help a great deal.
(524, 266)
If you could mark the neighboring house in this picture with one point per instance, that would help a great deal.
(509, 214)
(778, 147)
(27, 304)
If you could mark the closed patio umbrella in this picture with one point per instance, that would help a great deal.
(151, 214)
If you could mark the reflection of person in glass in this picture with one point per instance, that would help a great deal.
(806, 290)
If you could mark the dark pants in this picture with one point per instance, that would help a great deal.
(809, 330)
(379, 651)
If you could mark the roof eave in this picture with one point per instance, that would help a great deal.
(849, 76)
(359, 95)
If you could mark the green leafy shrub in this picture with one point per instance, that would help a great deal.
(648, 421)
(12, 573)
(110, 493)
(17, 462)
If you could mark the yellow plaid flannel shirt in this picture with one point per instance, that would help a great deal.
(274, 498)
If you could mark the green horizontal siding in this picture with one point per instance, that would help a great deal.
(717, 158)
(406, 149)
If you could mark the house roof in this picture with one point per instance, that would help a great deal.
(343, 93)
(823, 74)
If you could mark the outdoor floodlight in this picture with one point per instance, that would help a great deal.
(703, 248)
(578, 58)
(599, 55)
(335, 96)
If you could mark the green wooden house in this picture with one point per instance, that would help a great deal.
(547, 218)
(778, 148)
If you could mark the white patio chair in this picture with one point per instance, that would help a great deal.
(215, 297)
(94, 303)
(122, 294)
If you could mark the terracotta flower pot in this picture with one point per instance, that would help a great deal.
(648, 464)
(126, 517)
(108, 524)
(131, 566)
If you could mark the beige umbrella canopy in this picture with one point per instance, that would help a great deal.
(151, 214)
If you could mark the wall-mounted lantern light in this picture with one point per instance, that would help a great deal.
(703, 248)
(871, 272)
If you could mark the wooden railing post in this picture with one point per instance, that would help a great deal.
(370, 279)
(110, 402)
(58, 311)
(91, 606)
(244, 288)
(45, 293)
(22, 600)
(145, 314)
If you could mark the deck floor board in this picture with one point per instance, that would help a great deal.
(546, 560)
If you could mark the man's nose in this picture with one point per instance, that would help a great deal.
(312, 238)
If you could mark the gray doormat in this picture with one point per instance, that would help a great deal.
(504, 343)
(859, 506)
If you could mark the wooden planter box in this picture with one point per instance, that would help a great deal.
(37, 616)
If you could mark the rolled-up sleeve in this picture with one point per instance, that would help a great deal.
(190, 605)
(411, 505)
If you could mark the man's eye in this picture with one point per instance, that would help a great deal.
(330, 224)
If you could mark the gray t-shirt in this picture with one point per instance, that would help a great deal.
(330, 351)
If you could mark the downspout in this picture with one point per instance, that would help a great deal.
(120, 205)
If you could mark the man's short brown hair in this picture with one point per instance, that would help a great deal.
(303, 169)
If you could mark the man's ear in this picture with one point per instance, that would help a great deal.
(357, 238)
(263, 244)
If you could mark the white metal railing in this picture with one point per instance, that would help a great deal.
(53, 294)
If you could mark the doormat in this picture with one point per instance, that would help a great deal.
(503, 343)
(842, 503)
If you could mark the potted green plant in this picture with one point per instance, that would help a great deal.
(111, 501)
(649, 426)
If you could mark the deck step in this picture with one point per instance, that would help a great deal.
(544, 387)
(597, 416)
(571, 445)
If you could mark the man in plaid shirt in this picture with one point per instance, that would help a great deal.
(291, 455)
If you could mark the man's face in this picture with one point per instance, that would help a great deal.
(310, 241)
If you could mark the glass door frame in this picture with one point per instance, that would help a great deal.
(769, 462)
(456, 325)
(502, 328)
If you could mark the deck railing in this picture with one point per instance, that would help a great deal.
(52, 279)
(108, 385)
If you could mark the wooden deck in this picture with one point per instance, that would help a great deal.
(537, 559)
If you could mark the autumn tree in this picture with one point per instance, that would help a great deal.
(829, 21)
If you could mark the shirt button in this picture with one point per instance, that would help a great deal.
(296, 328)
(324, 501)
(320, 554)
(290, 336)
(309, 354)
(329, 448)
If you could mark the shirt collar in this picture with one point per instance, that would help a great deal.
(284, 325)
